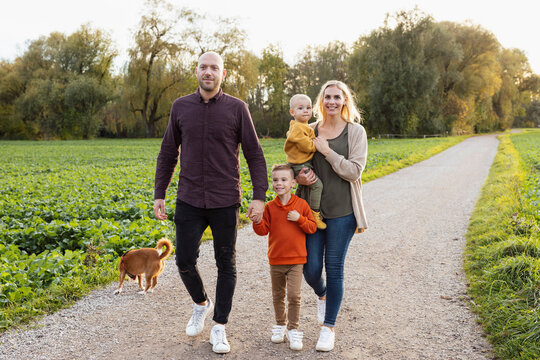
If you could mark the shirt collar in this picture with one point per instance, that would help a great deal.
(213, 99)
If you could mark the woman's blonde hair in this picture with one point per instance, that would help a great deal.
(349, 112)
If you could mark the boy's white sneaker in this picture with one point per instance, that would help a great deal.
(326, 339)
(321, 310)
(218, 339)
(295, 339)
(196, 323)
(278, 333)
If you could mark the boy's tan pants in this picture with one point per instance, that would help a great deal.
(287, 279)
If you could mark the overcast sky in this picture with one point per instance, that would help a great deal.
(293, 24)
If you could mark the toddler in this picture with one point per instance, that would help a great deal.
(299, 149)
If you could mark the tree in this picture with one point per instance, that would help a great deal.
(531, 118)
(529, 88)
(242, 74)
(163, 59)
(227, 38)
(11, 87)
(33, 95)
(425, 77)
(85, 98)
(478, 77)
(317, 65)
(509, 102)
(158, 69)
(396, 75)
(270, 101)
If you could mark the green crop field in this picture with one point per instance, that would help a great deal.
(69, 209)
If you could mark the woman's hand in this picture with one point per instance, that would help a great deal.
(306, 177)
(321, 144)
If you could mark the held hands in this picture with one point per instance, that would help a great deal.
(255, 211)
(293, 215)
(159, 209)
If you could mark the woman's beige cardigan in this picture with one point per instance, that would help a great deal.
(351, 169)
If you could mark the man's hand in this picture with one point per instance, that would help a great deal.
(159, 209)
(293, 215)
(306, 176)
(255, 211)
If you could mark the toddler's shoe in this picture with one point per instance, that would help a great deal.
(318, 220)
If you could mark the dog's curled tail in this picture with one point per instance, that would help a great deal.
(167, 243)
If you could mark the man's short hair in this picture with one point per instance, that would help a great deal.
(213, 53)
(278, 167)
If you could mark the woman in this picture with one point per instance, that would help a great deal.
(339, 161)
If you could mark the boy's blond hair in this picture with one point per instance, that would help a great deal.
(278, 167)
(296, 97)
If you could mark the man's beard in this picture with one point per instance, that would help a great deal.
(206, 87)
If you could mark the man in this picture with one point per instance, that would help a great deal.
(208, 126)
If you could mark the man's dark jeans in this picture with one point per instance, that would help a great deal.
(190, 224)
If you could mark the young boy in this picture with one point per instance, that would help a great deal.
(299, 149)
(287, 219)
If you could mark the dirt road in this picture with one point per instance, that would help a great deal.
(405, 289)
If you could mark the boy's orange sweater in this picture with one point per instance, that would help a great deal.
(287, 239)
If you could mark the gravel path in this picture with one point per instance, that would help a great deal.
(405, 288)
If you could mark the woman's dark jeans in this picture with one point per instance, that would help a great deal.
(190, 225)
(330, 245)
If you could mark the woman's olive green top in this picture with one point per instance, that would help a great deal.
(336, 195)
(348, 167)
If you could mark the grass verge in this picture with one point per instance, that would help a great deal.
(502, 258)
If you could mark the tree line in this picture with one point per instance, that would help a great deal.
(411, 76)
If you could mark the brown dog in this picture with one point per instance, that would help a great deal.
(147, 261)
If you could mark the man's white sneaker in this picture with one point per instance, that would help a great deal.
(295, 339)
(218, 339)
(321, 310)
(278, 333)
(326, 339)
(196, 323)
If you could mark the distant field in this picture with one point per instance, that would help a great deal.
(68, 209)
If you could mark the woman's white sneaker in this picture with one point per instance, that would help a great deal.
(321, 310)
(295, 339)
(278, 333)
(218, 339)
(326, 339)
